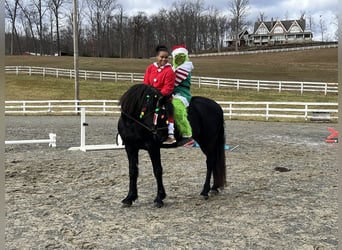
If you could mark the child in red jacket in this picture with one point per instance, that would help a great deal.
(161, 76)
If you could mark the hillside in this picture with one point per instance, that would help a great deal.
(309, 65)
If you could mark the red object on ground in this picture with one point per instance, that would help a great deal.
(333, 137)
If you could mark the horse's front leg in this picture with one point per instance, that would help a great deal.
(158, 173)
(132, 154)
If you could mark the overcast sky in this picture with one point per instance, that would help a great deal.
(326, 9)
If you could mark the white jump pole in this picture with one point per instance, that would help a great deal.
(83, 130)
(84, 147)
(51, 141)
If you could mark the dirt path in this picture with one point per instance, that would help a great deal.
(61, 199)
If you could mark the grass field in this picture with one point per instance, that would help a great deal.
(311, 65)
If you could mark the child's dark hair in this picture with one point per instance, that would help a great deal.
(161, 48)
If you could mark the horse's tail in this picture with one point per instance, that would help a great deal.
(219, 171)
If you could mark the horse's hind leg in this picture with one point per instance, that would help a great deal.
(132, 154)
(206, 187)
(158, 173)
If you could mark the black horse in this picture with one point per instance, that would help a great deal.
(143, 125)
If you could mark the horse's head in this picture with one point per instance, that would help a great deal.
(145, 108)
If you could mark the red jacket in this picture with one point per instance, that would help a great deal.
(162, 78)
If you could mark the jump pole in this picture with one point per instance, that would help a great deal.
(83, 147)
(51, 141)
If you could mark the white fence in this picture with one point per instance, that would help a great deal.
(271, 50)
(251, 110)
(238, 84)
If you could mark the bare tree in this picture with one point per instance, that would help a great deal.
(11, 12)
(29, 14)
(262, 16)
(120, 30)
(311, 23)
(239, 10)
(105, 30)
(55, 6)
(101, 14)
(139, 26)
(184, 23)
(38, 20)
(322, 27)
(335, 23)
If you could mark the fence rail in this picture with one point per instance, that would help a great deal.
(238, 84)
(261, 110)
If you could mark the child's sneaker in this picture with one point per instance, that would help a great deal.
(170, 140)
(188, 142)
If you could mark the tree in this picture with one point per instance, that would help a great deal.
(239, 11)
(139, 27)
(335, 23)
(184, 23)
(55, 6)
(101, 15)
(322, 27)
(29, 14)
(40, 10)
(11, 12)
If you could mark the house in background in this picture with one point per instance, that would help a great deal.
(244, 39)
(280, 32)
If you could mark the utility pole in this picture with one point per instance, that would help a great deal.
(76, 67)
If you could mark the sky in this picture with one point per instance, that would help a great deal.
(326, 10)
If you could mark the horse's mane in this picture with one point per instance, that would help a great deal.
(134, 99)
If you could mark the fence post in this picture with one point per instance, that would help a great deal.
(101, 76)
(237, 84)
(17, 70)
(49, 106)
(258, 85)
(57, 73)
(218, 83)
(267, 111)
(301, 88)
(306, 112)
(24, 106)
(44, 71)
(325, 88)
(76, 106)
(199, 82)
(280, 86)
(30, 71)
(230, 111)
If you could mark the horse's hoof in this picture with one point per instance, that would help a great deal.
(158, 204)
(126, 203)
(214, 191)
(205, 197)
(205, 194)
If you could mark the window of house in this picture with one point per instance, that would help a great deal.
(294, 29)
(262, 31)
(278, 30)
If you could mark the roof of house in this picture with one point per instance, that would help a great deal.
(286, 23)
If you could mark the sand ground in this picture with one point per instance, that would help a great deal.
(62, 199)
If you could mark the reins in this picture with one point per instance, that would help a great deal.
(153, 130)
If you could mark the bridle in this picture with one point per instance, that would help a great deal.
(154, 130)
